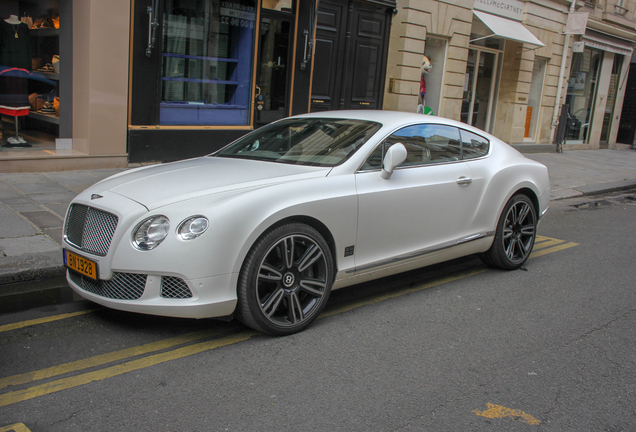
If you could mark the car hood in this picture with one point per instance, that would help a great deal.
(159, 185)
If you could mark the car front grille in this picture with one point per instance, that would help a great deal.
(174, 288)
(123, 286)
(90, 229)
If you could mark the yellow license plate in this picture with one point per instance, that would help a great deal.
(80, 264)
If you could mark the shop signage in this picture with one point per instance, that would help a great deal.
(607, 46)
(512, 9)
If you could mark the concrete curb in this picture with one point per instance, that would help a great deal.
(593, 189)
(33, 267)
(597, 189)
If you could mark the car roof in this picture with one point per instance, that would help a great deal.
(393, 118)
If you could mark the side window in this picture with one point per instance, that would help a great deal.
(431, 143)
(428, 143)
(474, 146)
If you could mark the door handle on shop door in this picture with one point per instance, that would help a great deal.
(464, 181)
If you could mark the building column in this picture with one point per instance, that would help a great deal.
(101, 43)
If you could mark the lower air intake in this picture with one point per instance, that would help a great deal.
(123, 286)
(174, 288)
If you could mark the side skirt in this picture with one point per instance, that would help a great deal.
(414, 260)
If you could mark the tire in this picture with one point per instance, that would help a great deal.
(515, 235)
(285, 280)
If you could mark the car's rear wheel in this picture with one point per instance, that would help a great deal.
(515, 235)
(285, 280)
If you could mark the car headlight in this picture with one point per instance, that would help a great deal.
(192, 227)
(150, 232)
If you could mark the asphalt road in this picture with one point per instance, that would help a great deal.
(453, 348)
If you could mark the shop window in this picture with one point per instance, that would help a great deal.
(436, 52)
(534, 98)
(30, 76)
(206, 69)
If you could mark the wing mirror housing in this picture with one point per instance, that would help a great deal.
(395, 155)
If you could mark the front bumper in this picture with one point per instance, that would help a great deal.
(134, 292)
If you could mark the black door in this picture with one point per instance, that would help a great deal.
(350, 55)
(628, 115)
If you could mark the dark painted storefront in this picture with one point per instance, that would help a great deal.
(215, 63)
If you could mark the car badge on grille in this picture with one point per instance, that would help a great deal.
(96, 196)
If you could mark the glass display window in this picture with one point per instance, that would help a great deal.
(206, 65)
(435, 51)
(30, 75)
(581, 94)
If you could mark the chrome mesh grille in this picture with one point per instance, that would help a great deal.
(123, 286)
(174, 288)
(90, 229)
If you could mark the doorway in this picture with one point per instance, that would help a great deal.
(627, 128)
(350, 55)
(480, 84)
(581, 96)
(272, 70)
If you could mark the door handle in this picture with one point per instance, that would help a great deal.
(153, 23)
(464, 181)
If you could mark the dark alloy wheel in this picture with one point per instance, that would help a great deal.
(286, 280)
(515, 235)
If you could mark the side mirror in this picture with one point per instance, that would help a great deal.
(395, 155)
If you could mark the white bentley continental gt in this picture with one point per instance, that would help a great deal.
(264, 229)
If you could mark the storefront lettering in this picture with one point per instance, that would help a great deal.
(512, 9)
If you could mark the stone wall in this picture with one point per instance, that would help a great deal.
(415, 20)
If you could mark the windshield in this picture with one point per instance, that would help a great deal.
(303, 141)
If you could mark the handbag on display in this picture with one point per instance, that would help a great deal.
(39, 103)
(56, 105)
(56, 63)
(33, 101)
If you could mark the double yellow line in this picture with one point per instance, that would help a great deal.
(216, 338)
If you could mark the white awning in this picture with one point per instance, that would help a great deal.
(507, 29)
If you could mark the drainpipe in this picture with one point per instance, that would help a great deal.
(564, 56)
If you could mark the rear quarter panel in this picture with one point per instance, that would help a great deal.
(502, 175)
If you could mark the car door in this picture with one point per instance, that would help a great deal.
(428, 201)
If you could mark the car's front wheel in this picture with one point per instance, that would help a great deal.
(285, 280)
(515, 235)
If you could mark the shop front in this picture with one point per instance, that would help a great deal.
(596, 88)
(207, 72)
